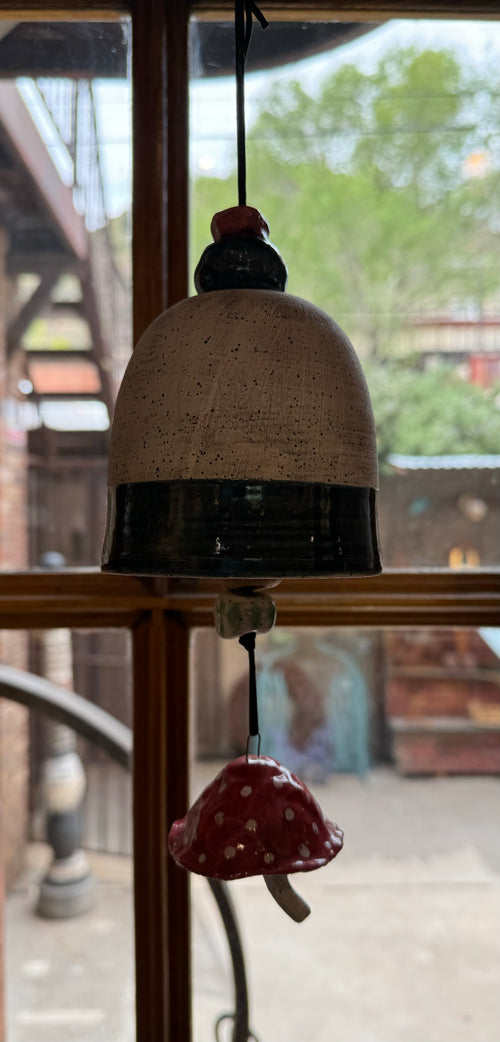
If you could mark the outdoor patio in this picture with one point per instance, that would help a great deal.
(402, 943)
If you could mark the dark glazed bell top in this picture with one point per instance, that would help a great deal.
(241, 257)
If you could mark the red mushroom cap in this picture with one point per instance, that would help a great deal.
(255, 818)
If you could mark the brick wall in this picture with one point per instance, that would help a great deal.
(422, 517)
(13, 555)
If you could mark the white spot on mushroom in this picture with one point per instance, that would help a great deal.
(251, 825)
(222, 786)
(315, 828)
(202, 858)
(229, 852)
(304, 851)
(289, 814)
(246, 790)
(219, 818)
(268, 858)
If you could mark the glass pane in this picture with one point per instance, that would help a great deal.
(397, 736)
(374, 158)
(65, 270)
(66, 839)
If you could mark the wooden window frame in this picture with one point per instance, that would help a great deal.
(161, 614)
(160, 617)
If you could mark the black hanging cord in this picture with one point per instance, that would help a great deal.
(248, 642)
(244, 13)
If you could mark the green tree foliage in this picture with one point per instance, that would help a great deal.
(382, 194)
(435, 411)
(372, 174)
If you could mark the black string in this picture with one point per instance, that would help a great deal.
(244, 12)
(248, 642)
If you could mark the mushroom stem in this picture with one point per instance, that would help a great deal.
(288, 899)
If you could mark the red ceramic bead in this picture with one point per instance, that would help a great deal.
(237, 222)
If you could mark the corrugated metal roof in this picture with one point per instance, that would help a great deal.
(470, 461)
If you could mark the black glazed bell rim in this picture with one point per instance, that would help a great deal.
(203, 528)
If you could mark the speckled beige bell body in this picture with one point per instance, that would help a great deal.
(244, 384)
(243, 442)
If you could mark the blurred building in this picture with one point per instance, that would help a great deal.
(64, 342)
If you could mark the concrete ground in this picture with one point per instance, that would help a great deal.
(403, 943)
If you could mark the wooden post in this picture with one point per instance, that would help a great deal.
(160, 140)
(161, 641)
(162, 921)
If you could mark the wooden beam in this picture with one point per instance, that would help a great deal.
(178, 12)
(396, 598)
(68, 463)
(42, 600)
(149, 206)
(355, 10)
(50, 354)
(423, 598)
(68, 396)
(40, 263)
(30, 310)
(177, 789)
(100, 352)
(293, 10)
(66, 10)
(31, 152)
(160, 132)
(163, 963)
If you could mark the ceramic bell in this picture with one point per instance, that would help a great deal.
(243, 443)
